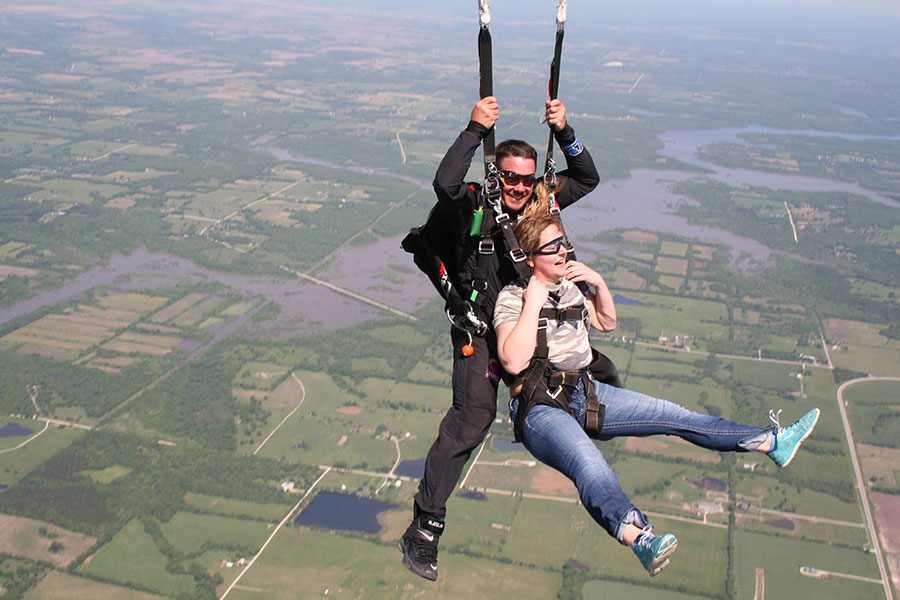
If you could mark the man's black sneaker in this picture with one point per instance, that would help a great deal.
(419, 546)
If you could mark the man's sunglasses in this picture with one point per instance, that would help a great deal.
(552, 247)
(513, 179)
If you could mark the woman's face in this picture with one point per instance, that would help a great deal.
(548, 262)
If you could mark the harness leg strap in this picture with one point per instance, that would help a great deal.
(594, 411)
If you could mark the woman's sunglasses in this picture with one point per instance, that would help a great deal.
(552, 247)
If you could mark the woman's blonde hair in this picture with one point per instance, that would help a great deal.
(540, 201)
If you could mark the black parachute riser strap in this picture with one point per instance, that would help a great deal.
(514, 252)
(486, 83)
(553, 88)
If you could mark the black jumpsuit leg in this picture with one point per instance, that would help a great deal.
(475, 380)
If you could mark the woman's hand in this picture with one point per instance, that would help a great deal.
(536, 293)
(578, 271)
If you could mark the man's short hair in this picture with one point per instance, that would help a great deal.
(515, 148)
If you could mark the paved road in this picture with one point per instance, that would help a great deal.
(861, 484)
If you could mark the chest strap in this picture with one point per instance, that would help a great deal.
(541, 383)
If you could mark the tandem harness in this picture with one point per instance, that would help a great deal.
(432, 248)
(542, 383)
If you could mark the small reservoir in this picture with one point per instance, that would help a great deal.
(345, 512)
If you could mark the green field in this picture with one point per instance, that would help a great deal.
(18, 460)
(307, 563)
(874, 412)
(61, 585)
(132, 557)
(781, 559)
(189, 532)
(235, 508)
(171, 175)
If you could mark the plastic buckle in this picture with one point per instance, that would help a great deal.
(554, 207)
(517, 255)
(486, 246)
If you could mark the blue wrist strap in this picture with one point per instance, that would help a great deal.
(574, 149)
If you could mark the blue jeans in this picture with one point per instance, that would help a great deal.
(555, 438)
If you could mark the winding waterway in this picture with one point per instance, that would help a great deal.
(303, 306)
(381, 270)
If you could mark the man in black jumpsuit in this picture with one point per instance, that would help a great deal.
(475, 377)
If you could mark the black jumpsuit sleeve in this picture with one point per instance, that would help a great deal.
(581, 175)
(454, 196)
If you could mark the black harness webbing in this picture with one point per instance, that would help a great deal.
(486, 78)
(493, 215)
(542, 383)
(552, 92)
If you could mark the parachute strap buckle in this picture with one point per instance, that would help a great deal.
(501, 218)
(543, 323)
(484, 13)
(517, 255)
(550, 178)
(553, 394)
(554, 207)
(486, 246)
(479, 285)
(491, 189)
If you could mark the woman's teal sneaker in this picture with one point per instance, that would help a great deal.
(788, 439)
(654, 550)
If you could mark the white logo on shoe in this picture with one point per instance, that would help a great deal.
(426, 535)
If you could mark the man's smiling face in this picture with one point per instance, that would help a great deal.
(515, 196)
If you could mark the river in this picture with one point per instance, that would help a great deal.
(303, 306)
(381, 270)
(643, 200)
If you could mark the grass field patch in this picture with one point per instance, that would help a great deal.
(176, 308)
(36, 540)
(188, 532)
(236, 508)
(134, 347)
(308, 562)
(879, 464)
(853, 332)
(780, 560)
(628, 280)
(57, 585)
(259, 375)
(142, 303)
(18, 462)
(238, 309)
(131, 557)
(674, 266)
(107, 475)
(672, 248)
(12, 249)
(163, 341)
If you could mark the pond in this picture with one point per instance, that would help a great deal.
(344, 512)
(412, 468)
(625, 301)
(14, 430)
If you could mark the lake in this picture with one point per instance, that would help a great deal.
(345, 512)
